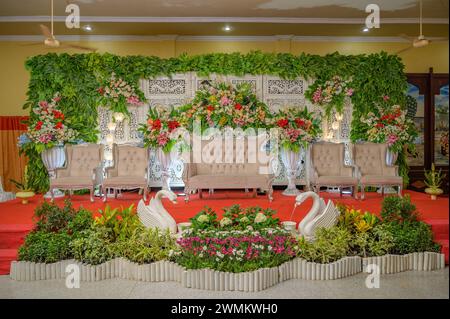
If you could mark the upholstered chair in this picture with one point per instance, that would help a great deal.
(129, 170)
(372, 170)
(82, 163)
(328, 167)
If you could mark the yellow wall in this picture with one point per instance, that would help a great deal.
(14, 78)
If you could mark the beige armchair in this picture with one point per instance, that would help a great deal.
(239, 169)
(372, 170)
(328, 168)
(82, 162)
(129, 170)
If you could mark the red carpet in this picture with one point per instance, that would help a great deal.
(16, 219)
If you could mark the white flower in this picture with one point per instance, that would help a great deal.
(260, 218)
(244, 219)
(225, 221)
(203, 218)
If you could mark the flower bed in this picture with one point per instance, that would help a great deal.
(245, 250)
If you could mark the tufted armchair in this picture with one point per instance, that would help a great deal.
(370, 160)
(239, 168)
(129, 170)
(82, 161)
(328, 168)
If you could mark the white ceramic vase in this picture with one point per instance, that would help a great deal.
(53, 158)
(290, 160)
(165, 160)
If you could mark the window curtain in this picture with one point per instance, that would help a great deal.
(11, 164)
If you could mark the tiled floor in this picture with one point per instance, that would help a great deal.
(411, 284)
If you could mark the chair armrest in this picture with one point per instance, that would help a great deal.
(313, 174)
(389, 170)
(62, 172)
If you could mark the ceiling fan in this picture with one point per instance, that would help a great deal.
(421, 40)
(51, 41)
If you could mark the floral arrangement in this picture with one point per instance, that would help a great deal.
(222, 105)
(330, 93)
(48, 126)
(296, 127)
(160, 129)
(242, 240)
(117, 94)
(390, 126)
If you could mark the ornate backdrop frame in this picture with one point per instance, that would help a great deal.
(179, 89)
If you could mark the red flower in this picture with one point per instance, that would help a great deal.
(38, 125)
(379, 125)
(59, 125)
(299, 122)
(172, 125)
(58, 114)
(237, 106)
(210, 108)
(101, 91)
(57, 99)
(156, 124)
(282, 123)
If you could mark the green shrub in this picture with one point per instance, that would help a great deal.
(330, 244)
(145, 246)
(412, 237)
(52, 218)
(377, 241)
(81, 221)
(47, 247)
(120, 224)
(399, 209)
(91, 246)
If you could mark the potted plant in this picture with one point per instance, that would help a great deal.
(433, 180)
(25, 191)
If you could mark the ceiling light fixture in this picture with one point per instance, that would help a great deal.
(227, 28)
(87, 27)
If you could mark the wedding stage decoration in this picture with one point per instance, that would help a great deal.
(245, 250)
(78, 77)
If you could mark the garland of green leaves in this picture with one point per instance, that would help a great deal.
(79, 76)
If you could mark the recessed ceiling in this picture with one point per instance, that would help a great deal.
(204, 17)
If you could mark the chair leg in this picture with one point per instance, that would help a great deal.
(363, 192)
(52, 195)
(105, 194)
(400, 190)
(200, 193)
(145, 195)
(254, 193)
(340, 191)
(115, 193)
(91, 191)
(270, 194)
(382, 191)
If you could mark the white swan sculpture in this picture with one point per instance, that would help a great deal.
(155, 215)
(320, 215)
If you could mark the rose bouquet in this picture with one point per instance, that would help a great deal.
(330, 94)
(295, 127)
(160, 129)
(117, 94)
(221, 105)
(390, 125)
(48, 126)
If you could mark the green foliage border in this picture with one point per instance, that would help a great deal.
(78, 76)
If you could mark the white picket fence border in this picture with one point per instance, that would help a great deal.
(209, 279)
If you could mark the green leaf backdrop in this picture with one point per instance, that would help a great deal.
(78, 76)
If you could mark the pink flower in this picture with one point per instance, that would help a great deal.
(349, 92)
(392, 139)
(386, 98)
(224, 100)
(43, 103)
(317, 96)
(56, 99)
(134, 100)
(162, 139)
